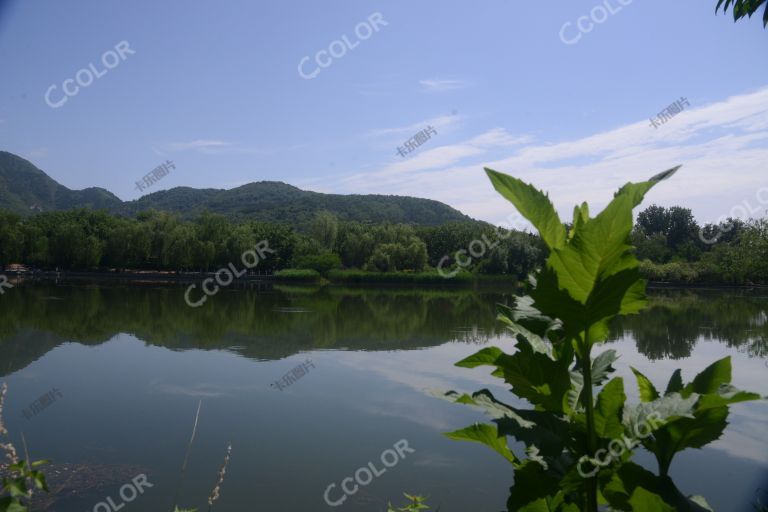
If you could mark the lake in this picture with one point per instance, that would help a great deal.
(124, 367)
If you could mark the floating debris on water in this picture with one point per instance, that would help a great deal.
(68, 480)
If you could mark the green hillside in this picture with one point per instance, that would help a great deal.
(25, 189)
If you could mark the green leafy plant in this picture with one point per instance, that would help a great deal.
(416, 504)
(581, 433)
(20, 478)
(744, 8)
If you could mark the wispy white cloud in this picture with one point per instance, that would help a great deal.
(217, 147)
(723, 147)
(201, 145)
(441, 85)
(434, 159)
(36, 153)
(439, 122)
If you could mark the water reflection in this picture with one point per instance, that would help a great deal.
(677, 319)
(266, 324)
(278, 321)
(126, 404)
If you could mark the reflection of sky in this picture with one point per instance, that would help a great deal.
(129, 403)
(744, 443)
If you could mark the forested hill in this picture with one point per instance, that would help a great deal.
(278, 202)
(25, 189)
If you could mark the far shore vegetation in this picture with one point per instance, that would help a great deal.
(670, 244)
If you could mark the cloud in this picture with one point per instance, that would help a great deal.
(439, 85)
(436, 158)
(36, 153)
(202, 145)
(723, 147)
(218, 147)
(440, 122)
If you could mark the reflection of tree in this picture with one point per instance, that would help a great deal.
(261, 324)
(677, 319)
(275, 322)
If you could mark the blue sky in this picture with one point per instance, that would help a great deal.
(215, 87)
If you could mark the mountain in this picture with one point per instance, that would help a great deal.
(25, 189)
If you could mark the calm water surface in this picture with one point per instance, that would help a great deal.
(132, 362)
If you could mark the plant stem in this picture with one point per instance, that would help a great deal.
(186, 457)
(589, 406)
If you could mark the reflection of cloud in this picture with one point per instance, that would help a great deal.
(744, 439)
(410, 410)
(196, 390)
(441, 85)
(419, 374)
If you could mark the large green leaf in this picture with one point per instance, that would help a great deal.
(580, 217)
(648, 392)
(535, 490)
(533, 375)
(487, 435)
(633, 487)
(601, 369)
(726, 395)
(484, 357)
(525, 319)
(536, 377)
(532, 204)
(711, 378)
(705, 427)
(646, 417)
(548, 433)
(545, 432)
(595, 277)
(602, 366)
(710, 392)
(609, 410)
(646, 501)
(486, 402)
(675, 384)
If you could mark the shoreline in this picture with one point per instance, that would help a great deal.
(362, 279)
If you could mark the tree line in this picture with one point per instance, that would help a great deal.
(673, 247)
(83, 239)
(670, 243)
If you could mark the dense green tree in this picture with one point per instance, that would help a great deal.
(355, 244)
(682, 226)
(653, 220)
(325, 228)
(11, 238)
